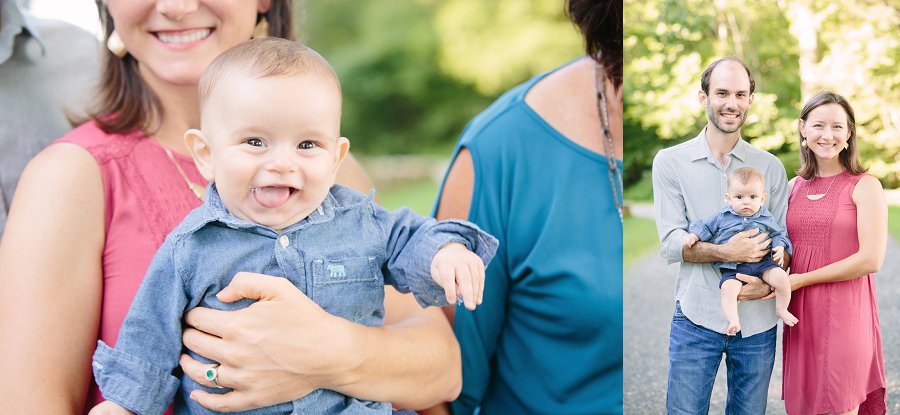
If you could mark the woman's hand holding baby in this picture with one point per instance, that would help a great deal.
(460, 272)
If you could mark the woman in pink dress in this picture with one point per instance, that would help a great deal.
(837, 221)
(92, 209)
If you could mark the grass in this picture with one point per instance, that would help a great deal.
(418, 196)
(894, 221)
(639, 239)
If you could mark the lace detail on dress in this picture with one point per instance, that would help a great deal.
(819, 214)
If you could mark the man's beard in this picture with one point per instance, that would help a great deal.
(713, 118)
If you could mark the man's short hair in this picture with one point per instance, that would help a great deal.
(262, 58)
(746, 175)
(704, 79)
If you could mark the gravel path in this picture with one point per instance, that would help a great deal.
(649, 302)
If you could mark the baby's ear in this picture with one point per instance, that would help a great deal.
(343, 147)
(764, 196)
(198, 145)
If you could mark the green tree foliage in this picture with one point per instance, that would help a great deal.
(794, 48)
(415, 72)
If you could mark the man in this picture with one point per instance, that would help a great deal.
(689, 183)
(48, 73)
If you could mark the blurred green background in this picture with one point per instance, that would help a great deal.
(415, 72)
(795, 48)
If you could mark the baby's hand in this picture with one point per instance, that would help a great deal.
(690, 239)
(109, 408)
(778, 255)
(460, 272)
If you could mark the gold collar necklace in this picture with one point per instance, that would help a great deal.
(820, 196)
(198, 190)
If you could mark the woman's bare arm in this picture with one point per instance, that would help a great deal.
(871, 227)
(50, 270)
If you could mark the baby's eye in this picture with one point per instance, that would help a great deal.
(255, 142)
(307, 145)
(753, 196)
(739, 197)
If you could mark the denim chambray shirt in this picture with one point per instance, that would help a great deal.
(720, 227)
(340, 256)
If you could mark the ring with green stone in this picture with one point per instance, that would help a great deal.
(212, 375)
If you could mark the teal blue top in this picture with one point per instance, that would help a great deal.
(548, 337)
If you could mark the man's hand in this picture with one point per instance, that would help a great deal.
(690, 239)
(747, 246)
(755, 289)
(778, 255)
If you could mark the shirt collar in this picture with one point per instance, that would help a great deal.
(214, 211)
(12, 23)
(701, 149)
(761, 213)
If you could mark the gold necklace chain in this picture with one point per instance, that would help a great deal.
(615, 173)
(197, 189)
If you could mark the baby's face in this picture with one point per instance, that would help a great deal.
(746, 198)
(275, 145)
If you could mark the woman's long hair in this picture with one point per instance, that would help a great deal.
(126, 103)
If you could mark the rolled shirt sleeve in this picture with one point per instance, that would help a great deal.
(413, 241)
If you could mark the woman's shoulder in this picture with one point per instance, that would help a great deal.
(506, 113)
(100, 144)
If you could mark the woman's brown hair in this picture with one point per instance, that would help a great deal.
(849, 158)
(600, 23)
(126, 103)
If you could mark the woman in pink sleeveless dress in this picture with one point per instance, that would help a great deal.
(837, 221)
(92, 209)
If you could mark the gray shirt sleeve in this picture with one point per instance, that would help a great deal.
(669, 208)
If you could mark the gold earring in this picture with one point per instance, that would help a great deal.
(803, 143)
(261, 30)
(115, 44)
(846, 145)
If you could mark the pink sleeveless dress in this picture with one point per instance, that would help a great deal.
(145, 198)
(832, 358)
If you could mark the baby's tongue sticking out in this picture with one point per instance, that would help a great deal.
(271, 197)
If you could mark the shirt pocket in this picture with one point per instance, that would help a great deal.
(351, 288)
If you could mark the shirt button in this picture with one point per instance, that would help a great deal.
(283, 240)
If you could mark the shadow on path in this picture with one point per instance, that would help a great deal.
(649, 290)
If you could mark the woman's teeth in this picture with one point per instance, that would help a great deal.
(184, 37)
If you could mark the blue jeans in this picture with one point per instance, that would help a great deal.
(694, 356)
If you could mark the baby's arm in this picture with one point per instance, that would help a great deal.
(704, 229)
(778, 255)
(437, 261)
(109, 408)
(137, 373)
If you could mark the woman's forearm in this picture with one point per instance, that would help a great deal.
(413, 361)
(854, 266)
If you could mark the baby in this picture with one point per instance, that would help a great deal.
(746, 194)
(270, 145)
